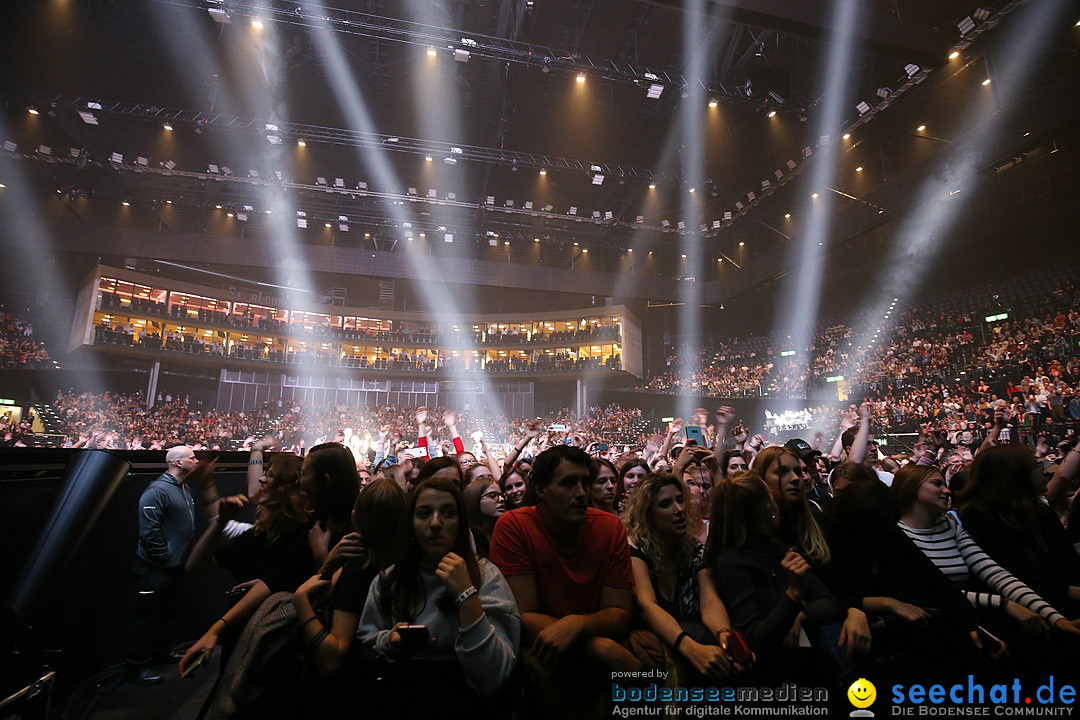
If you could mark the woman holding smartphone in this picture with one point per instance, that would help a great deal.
(441, 607)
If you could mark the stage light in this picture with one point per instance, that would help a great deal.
(597, 179)
(125, 203)
(814, 196)
(327, 224)
(954, 54)
(655, 91)
(741, 243)
(543, 171)
(257, 24)
(536, 240)
(863, 108)
(911, 69)
(301, 143)
(462, 56)
(713, 102)
(691, 189)
(167, 126)
(772, 113)
(218, 207)
(427, 158)
(787, 216)
(986, 81)
(920, 128)
(652, 186)
(683, 257)
(431, 52)
(32, 111)
(858, 169)
(581, 77)
(965, 26)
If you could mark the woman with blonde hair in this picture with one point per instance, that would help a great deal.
(671, 584)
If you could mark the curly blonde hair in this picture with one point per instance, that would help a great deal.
(643, 534)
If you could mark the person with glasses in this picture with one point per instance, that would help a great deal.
(485, 503)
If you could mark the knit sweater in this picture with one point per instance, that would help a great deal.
(486, 650)
(957, 556)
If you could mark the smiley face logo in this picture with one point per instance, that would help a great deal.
(862, 693)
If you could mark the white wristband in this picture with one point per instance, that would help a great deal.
(469, 592)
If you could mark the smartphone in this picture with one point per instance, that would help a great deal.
(990, 644)
(414, 635)
(693, 432)
(601, 447)
(738, 650)
(193, 666)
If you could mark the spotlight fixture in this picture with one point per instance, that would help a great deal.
(920, 128)
(691, 189)
(814, 196)
(581, 77)
(863, 108)
(431, 52)
(427, 158)
(257, 24)
(986, 81)
(652, 186)
(166, 126)
(655, 91)
(965, 26)
(772, 113)
(218, 13)
(327, 224)
(543, 171)
(954, 54)
(858, 169)
(125, 203)
(787, 216)
(713, 102)
(301, 143)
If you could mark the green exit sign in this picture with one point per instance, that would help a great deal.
(834, 378)
(995, 318)
(6, 401)
(787, 353)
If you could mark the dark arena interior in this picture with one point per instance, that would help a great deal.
(748, 329)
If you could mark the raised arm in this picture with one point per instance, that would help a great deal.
(1064, 481)
(858, 446)
(201, 558)
(255, 464)
(532, 429)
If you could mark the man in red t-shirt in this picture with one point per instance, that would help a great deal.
(568, 566)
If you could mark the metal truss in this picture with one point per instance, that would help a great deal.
(547, 58)
(449, 152)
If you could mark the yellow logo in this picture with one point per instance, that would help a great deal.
(862, 694)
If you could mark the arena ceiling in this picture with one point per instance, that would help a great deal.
(462, 129)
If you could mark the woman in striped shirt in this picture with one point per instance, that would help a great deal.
(924, 500)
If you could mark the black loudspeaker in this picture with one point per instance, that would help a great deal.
(90, 479)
